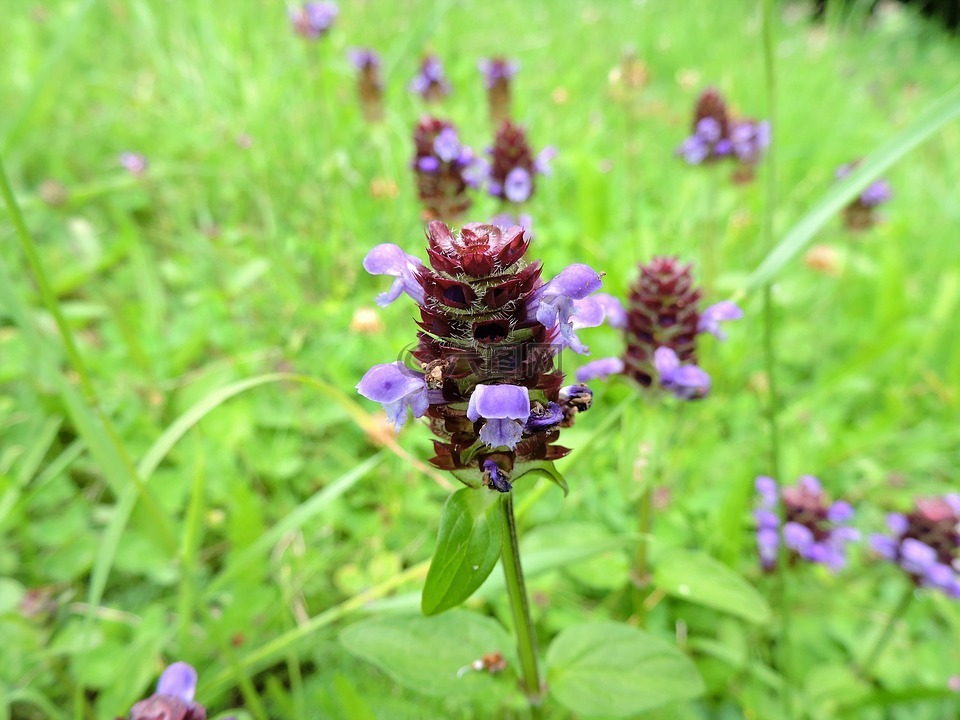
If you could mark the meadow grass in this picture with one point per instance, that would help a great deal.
(221, 286)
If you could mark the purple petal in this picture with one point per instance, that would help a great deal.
(688, 382)
(953, 500)
(495, 188)
(939, 575)
(178, 680)
(767, 543)
(797, 537)
(767, 487)
(693, 150)
(616, 316)
(840, 512)
(575, 281)
(447, 145)
(501, 433)
(542, 162)
(810, 484)
(916, 557)
(389, 382)
(600, 369)
(898, 523)
(766, 519)
(518, 185)
(844, 534)
(711, 318)
(709, 129)
(499, 402)
(587, 313)
(665, 361)
(885, 546)
(428, 164)
(390, 259)
(544, 418)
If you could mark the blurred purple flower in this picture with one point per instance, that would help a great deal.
(133, 163)
(814, 530)
(313, 20)
(496, 70)
(173, 699)
(430, 82)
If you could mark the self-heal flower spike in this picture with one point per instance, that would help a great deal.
(430, 82)
(925, 543)
(444, 169)
(173, 699)
(661, 323)
(513, 166)
(718, 135)
(861, 212)
(497, 74)
(814, 529)
(369, 83)
(313, 20)
(490, 330)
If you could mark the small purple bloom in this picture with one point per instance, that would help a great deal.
(430, 82)
(518, 185)
(769, 491)
(362, 58)
(506, 220)
(178, 680)
(542, 417)
(390, 259)
(613, 310)
(397, 388)
(313, 19)
(876, 193)
(687, 382)
(494, 477)
(133, 163)
(542, 163)
(600, 369)
(709, 130)
(495, 69)
(750, 139)
(797, 537)
(916, 557)
(428, 164)
(694, 150)
(723, 311)
(554, 302)
(505, 408)
(897, 523)
(447, 145)
(768, 542)
(766, 519)
(885, 546)
(839, 512)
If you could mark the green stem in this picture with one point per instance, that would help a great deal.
(520, 608)
(898, 612)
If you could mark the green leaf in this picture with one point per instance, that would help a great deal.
(700, 579)
(617, 670)
(545, 468)
(426, 653)
(468, 546)
(945, 110)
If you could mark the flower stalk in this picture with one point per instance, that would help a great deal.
(520, 608)
(878, 647)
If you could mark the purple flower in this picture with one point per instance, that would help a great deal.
(600, 369)
(430, 82)
(876, 193)
(173, 698)
(390, 259)
(542, 163)
(518, 185)
(133, 163)
(813, 530)
(711, 318)
(687, 382)
(506, 220)
(397, 388)
(614, 313)
(750, 138)
(505, 408)
(314, 19)
(542, 417)
(447, 145)
(494, 477)
(554, 302)
(496, 69)
(362, 58)
(925, 543)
